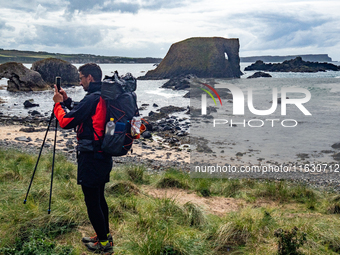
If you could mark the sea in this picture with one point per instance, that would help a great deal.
(309, 140)
(148, 92)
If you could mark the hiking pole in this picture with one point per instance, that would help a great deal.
(36, 164)
(55, 141)
(58, 83)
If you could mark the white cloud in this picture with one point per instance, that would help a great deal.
(148, 27)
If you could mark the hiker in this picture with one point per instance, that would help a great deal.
(94, 166)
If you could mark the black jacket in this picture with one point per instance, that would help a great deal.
(88, 116)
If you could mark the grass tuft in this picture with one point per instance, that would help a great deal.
(195, 215)
(136, 173)
(171, 182)
(122, 188)
(203, 187)
(229, 235)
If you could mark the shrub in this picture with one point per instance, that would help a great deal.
(289, 242)
(136, 173)
(171, 182)
(36, 245)
(122, 188)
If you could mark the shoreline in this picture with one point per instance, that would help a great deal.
(154, 152)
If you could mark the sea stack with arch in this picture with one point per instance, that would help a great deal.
(205, 57)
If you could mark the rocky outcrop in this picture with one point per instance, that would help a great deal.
(21, 78)
(51, 67)
(259, 74)
(204, 57)
(294, 65)
(179, 83)
(307, 57)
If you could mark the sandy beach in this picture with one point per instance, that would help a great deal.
(144, 149)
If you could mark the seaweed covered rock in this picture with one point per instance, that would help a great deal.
(51, 67)
(205, 57)
(20, 78)
(179, 83)
(259, 74)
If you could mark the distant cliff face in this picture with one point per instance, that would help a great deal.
(204, 57)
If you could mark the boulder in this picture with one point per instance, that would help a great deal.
(259, 74)
(205, 57)
(29, 103)
(336, 146)
(178, 83)
(171, 109)
(49, 68)
(336, 156)
(146, 135)
(20, 78)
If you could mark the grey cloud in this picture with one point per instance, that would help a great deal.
(121, 7)
(280, 26)
(97, 6)
(66, 37)
(158, 4)
(4, 26)
(116, 6)
(31, 6)
(277, 30)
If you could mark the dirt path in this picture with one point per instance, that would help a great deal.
(215, 205)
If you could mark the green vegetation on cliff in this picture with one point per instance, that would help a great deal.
(32, 56)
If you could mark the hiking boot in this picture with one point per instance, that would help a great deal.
(97, 247)
(91, 239)
(94, 239)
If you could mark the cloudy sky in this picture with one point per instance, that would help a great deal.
(147, 28)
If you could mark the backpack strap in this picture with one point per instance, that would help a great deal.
(135, 97)
(99, 121)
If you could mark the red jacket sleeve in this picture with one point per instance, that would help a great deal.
(80, 113)
(60, 113)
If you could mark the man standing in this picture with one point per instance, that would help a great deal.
(94, 166)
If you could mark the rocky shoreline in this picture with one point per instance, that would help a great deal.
(164, 145)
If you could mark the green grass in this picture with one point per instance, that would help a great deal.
(142, 224)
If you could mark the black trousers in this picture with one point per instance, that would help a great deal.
(97, 210)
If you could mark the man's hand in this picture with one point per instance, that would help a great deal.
(58, 97)
(61, 91)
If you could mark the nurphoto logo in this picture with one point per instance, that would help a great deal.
(238, 105)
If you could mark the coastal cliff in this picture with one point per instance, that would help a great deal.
(204, 57)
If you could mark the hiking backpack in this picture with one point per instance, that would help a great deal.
(121, 105)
